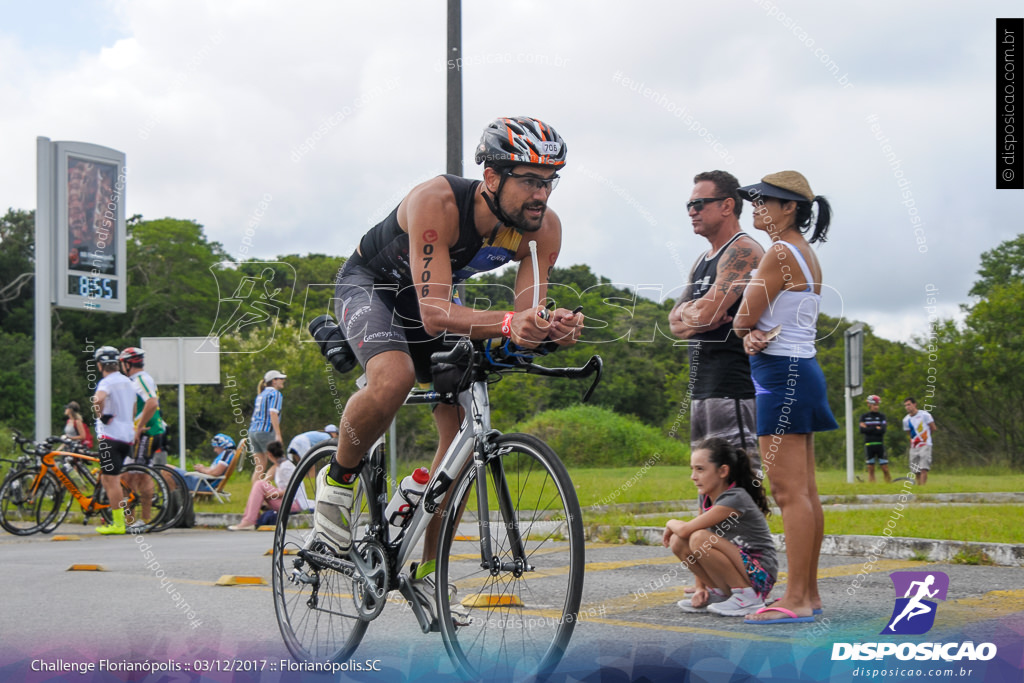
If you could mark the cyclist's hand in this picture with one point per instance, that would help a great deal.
(566, 327)
(529, 328)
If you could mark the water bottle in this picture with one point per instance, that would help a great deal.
(405, 500)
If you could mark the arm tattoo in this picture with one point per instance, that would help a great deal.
(428, 249)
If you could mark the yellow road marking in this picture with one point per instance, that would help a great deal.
(991, 605)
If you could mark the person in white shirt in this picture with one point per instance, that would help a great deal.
(919, 425)
(114, 406)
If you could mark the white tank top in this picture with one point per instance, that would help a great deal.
(797, 313)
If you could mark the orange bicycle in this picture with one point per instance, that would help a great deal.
(37, 499)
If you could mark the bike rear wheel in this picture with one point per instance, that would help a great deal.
(522, 618)
(23, 496)
(177, 492)
(139, 484)
(314, 603)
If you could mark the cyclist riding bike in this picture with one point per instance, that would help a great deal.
(395, 299)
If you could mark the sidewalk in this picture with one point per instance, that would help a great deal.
(897, 548)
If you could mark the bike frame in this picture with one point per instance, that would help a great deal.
(469, 441)
(48, 464)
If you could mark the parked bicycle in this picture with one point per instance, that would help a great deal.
(38, 498)
(511, 543)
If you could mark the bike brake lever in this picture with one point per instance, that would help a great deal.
(598, 364)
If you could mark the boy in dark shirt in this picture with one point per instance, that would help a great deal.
(872, 426)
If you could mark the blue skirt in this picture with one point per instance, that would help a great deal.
(791, 396)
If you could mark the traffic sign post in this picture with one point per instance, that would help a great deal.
(181, 361)
(854, 362)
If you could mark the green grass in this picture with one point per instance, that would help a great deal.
(598, 488)
(970, 523)
(611, 485)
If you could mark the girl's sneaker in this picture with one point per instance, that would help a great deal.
(714, 597)
(743, 601)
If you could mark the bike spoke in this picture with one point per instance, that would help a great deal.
(520, 624)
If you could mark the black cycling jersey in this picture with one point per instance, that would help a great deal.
(718, 365)
(876, 425)
(384, 250)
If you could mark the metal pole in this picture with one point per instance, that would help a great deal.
(43, 284)
(849, 435)
(181, 401)
(454, 70)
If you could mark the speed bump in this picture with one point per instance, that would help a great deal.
(66, 538)
(235, 580)
(480, 600)
(286, 551)
(87, 568)
(267, 527)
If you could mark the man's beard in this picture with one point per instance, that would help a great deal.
(521, 222)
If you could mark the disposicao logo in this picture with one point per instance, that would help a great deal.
(914, 613)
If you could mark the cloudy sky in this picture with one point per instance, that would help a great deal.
(326, 113)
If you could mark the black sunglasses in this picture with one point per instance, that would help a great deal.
(698, 204)
(535, 182)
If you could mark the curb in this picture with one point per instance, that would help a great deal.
(215, 520)
(999, 497)
(895, 547)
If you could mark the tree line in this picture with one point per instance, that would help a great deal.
(180, 283)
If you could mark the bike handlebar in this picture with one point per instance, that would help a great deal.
(32, 447)
(485, 357)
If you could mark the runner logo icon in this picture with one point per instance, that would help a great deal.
(914, 612)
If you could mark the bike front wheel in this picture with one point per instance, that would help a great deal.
(511, 614)
(314, 602)
(28, 501)
(52, 504)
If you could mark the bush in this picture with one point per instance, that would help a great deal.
(589, 436)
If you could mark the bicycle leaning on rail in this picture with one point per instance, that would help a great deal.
(38, 498)
(511, 541)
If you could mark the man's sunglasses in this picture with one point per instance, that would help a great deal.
(698, 204)
(535, 183)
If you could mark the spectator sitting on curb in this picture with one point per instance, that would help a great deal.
(264, 494)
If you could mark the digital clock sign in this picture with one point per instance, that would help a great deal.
(98, 287)
(89, 216)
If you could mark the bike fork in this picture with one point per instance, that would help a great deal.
(506, 512)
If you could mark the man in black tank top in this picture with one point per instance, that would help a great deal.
(394, 296)
(722, 393)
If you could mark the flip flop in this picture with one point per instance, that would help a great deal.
(790, 618)
(816, 611)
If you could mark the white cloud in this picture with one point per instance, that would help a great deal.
(211, 101)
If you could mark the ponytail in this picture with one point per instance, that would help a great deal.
(740, 472)
(803, 218)
(259, 389)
